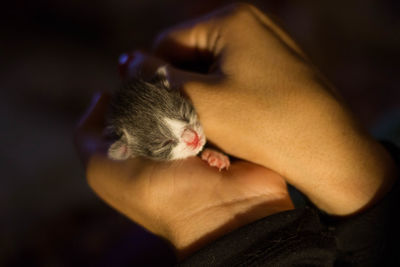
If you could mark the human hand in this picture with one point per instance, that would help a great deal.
(186, 202)
(263, 101)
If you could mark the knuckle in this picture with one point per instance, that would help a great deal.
(240, 13)
(242, 9)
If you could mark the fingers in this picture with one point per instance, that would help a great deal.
(108, 178)
(139, 64)
(194, 39)
(191, 41)
(277, 29)
(197, 39)
(200, 38)
(88, 133)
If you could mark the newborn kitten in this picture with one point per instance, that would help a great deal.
(155, 121)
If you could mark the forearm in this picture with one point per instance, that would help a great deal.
(332, 161)
(347, 182)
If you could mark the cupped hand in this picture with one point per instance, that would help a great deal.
(186, 202)
(263, 101)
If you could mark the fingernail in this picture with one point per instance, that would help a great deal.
(123, 58)
(123, 63)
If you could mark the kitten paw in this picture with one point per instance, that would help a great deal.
(215, 159)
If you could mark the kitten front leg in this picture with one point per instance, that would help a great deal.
(215, 159)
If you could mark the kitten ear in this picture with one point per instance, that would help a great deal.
(162, 73)
(119, 150)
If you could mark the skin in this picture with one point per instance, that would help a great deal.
(186, 202)
(288, 122)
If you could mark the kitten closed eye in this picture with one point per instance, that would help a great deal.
(166, 143)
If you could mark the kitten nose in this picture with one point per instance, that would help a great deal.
(190, 137)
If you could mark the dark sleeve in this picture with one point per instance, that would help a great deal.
(308, 237)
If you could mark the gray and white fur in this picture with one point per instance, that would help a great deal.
(153, 120)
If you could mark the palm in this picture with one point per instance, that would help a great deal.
(190, 190)
(181, 200)
(193, 176)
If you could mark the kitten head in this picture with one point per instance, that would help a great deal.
(154, 121)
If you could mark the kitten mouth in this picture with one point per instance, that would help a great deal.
(191, 138)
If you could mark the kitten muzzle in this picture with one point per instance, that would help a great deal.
(191, 138)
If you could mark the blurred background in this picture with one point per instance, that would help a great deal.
(54, 55)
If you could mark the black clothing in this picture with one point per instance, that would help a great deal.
(308, 237)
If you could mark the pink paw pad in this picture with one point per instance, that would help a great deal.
(215, 159)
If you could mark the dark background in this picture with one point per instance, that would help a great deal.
(55, 54)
